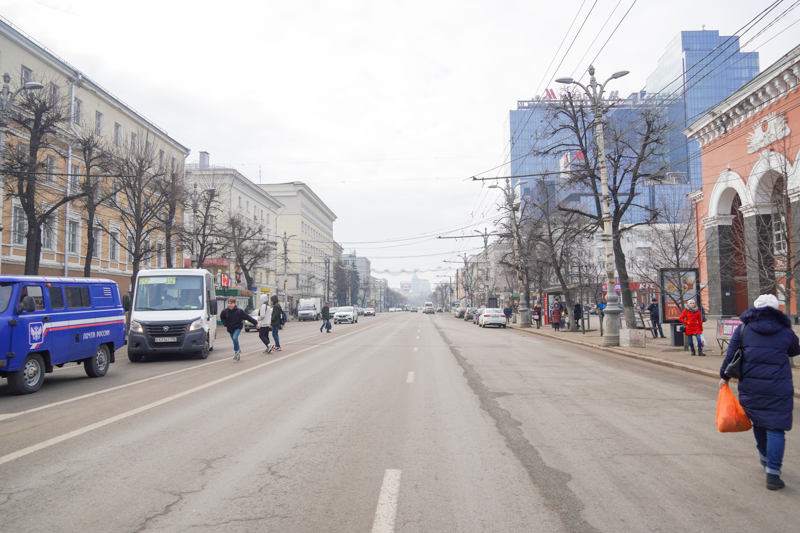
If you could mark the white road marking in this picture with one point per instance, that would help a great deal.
(6, 416)
(386, 512)
(80, 431)
(410, 378)
(416, 349)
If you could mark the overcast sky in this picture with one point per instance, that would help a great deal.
(384, 108)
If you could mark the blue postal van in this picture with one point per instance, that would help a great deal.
(47, 321)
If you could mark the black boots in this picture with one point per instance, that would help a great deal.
(774, 482)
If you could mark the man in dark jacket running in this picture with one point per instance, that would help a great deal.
(766, 390)
(277, 320)
(326, 318)
(233, 319)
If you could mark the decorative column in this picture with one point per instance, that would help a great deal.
(719, 265)
(758, 253)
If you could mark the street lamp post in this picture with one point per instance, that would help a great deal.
(285, 266)
(6, 100)
(594, 91)
(523, 311)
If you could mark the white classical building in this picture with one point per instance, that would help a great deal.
(305, 242)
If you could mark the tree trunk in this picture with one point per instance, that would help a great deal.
(90, 212)
(624, 282)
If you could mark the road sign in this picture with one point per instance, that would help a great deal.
(481, 286)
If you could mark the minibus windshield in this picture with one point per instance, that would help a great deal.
(168, 293)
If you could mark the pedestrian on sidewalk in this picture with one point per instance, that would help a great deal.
(555, 316)
(537, 314)
(577, 314)
(693, 319)
(507, 313)
(654, 318)
(766, 390)
(264, 321)
(326, 318)
(276, 320)
(233, 319)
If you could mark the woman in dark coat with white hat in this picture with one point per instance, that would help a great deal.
(766, 390)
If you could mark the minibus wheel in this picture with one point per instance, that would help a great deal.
(204, 353)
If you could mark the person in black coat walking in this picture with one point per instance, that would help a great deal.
(233, 319)
(326, 318)
(277, 320)
(766, 390)
(654, 318)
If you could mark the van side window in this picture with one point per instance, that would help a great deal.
(78, 297)
(35, 292)
(5, 296)
(56, 298)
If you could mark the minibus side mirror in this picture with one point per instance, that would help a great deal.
(126, 302)
(28, 305)
(213, 307)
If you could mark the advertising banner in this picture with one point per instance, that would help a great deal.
(677, 286)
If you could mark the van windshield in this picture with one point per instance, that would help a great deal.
(165, 293)
(5, 297)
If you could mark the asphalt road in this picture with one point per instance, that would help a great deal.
(402, 422)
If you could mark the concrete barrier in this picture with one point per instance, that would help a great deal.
(632, 338)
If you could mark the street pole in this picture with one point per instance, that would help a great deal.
(285, 268)
(5, 119)
(594, 91)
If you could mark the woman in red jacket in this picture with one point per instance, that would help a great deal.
(693, 318)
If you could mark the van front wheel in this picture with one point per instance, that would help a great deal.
(134, 357)
(97, 365)
(203, 354)
(29, 378)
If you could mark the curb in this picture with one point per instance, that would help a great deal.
(633, 355)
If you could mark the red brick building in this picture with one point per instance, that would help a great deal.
(748, 210)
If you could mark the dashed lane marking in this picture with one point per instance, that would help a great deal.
(86, 429)
(386, 513)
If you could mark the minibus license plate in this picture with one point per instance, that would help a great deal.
(166, 339)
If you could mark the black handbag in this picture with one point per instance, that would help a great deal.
(734, 368)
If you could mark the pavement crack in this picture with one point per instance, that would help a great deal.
(179, 496)
(551, 482)
(239, 520)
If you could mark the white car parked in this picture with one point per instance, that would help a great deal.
(345, 315)
(492, 317)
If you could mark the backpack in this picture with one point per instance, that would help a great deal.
(283, 317)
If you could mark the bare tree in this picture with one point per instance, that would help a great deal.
(249, 246)
(171, 186)
(41, 115)
(636, 144)
(137, 176)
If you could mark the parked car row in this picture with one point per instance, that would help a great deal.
(483, 316)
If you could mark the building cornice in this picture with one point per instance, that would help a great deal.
(695, 196)
(759, 94)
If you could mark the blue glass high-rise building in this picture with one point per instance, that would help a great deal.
(698, 70)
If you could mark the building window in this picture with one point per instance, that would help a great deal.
(133, 142)
(20, 227)
(77, 112)
(55, 93)
(49, 233)
(160, 256)
(148, 149)
(97, 253)
(74, 180)
(161, 159)
(23, 152)
(130, 248)
(240, 202)
(113, 246)
(73, 236)
(98, 122)
(26, 74)
(779, 233)
(248, 207)
(51, 168)
(117, 134)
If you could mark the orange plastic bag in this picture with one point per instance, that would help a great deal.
(730, 415)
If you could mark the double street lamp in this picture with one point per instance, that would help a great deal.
(523, 311)
(6, 100)
(594, 91)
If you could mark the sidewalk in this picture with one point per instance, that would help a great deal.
(658, 351)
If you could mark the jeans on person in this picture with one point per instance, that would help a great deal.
(263, 334)
(275, 336)
(771, 444)
(326, 324)
(657, 326)
(699, 342)
(235, 337)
